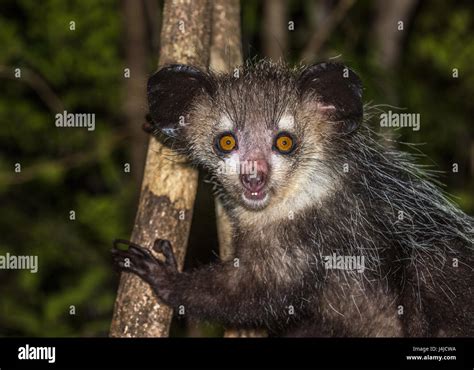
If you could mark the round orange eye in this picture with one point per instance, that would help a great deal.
(284, 143)
(226, 143)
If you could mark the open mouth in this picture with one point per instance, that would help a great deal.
(255, 199)
(256, 195)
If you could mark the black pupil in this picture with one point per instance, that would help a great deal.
(228, 142)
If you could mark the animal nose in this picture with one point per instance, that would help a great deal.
(254, 182)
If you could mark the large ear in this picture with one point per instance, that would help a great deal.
(337, 91)
(171, 91)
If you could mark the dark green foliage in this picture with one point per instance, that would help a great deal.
(62, 169)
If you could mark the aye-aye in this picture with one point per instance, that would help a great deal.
(334, 234)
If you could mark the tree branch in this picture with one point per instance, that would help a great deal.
(318, 39)
(37, 83)
(169, 187)
(134, 97)
(63, 164)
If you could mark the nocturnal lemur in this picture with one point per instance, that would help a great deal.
(311, 194)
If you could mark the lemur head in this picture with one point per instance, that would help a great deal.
(263, 131)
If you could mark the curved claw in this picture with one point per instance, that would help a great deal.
(164, 247)
(134, 248)
(129, 243)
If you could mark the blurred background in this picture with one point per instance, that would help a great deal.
(73, 56)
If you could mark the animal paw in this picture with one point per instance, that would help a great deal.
(140, 261)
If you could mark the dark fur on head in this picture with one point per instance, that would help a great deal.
(337, 192)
